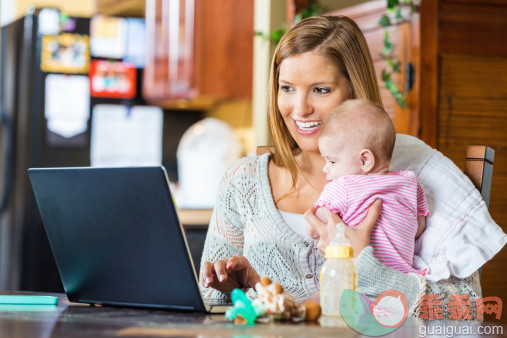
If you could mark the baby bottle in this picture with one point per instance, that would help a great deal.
(338, 273)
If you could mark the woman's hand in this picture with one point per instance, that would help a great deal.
(359, 236)
(228, 274)
(322, 231)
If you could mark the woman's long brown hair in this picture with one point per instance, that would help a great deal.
(338, 39)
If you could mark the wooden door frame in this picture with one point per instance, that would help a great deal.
(428, 74)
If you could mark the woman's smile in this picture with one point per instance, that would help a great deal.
(307, 127)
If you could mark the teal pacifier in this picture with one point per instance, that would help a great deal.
(241, 306)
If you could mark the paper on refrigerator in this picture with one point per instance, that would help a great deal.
(67, 104)
(136, 42)
(108, 37)
(123, 136)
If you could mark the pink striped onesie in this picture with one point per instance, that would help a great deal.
(393, 236)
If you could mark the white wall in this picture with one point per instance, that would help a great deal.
(268, 15)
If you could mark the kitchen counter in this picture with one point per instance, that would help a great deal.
(195, 217)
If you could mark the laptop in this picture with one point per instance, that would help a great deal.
(116, 237)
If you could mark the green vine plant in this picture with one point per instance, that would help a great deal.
(313, 8)
(394, 16)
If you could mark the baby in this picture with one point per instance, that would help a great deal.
(357, 142)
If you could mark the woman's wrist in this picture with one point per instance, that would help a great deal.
(367, 250)
(358, 247)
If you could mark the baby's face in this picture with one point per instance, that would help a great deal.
(340, 159)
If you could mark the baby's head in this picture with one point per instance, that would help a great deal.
(357, 138)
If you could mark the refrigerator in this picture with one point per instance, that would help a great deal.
(26, 261)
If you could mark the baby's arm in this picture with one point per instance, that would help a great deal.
(321, 214)
(333, 198)
(421, 225)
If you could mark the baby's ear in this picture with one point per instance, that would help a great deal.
(367, 160)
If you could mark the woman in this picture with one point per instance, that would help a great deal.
(256, 225)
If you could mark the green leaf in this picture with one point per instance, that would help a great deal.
(277, 34)
(398, 13)
(392, 3)
(266, 37)
(387, 43)
(413, 8)
(385, 21)
(386, 77)
(400, 99)
(315, 9)
(312, 10)
(298, 17)
(388, 46)
(396, 67)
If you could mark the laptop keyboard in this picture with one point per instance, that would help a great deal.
(218, 302)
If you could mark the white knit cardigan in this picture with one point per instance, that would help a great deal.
(246, 222)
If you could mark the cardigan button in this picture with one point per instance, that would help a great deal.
(309, 276)
(306, 243)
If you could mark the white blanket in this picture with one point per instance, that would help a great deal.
(460, 234)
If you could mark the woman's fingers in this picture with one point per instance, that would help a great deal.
(327, 230)
(372, 216)
(210, 273)
(359, 236)
(237, 262)
(221, 270)
(228, 274)
(247, 274)
(314, 221)
(311, 232)
(332, 218)
(206, 274)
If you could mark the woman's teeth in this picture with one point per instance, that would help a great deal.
(308, 125)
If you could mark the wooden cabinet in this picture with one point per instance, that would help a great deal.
(469, 99)
(124, 8)
(198, 51)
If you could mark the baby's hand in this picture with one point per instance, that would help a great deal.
(311, 232)
(320, 215)
(421, 225)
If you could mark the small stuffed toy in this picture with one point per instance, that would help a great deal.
(272, 304)
(278, 304)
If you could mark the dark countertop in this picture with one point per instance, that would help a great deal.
(71, 319)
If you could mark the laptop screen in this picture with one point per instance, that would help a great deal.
(116, 237)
